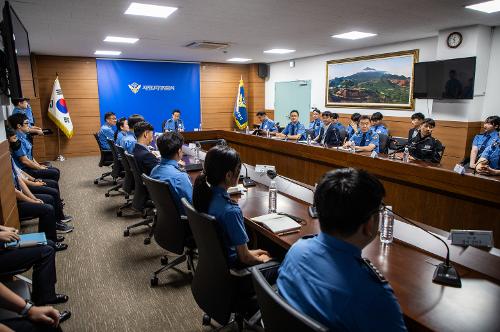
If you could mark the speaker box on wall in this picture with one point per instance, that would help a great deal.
(263, 70)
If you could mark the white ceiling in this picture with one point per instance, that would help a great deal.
(77, 27)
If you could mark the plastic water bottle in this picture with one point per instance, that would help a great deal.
(196, 153)
(273, 196)
(200, 126)
(406, 155)
(268, 134)
(308, 139)
(247, 130)
(387, 227)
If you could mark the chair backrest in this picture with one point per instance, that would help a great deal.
(396, 143)
(104, 161)
(140, 191)
(117, 165)
(212, 285)
(277, 314)
(128, 182)
(343, 134)
(169, 230)
(441, 152)
(383, 141)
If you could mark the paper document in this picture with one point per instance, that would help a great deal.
(236, 190)
(277, 223)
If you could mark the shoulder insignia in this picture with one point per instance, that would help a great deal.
(373, 270)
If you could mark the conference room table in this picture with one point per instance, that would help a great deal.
(421, 191)
(408, 264)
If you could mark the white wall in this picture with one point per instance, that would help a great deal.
(492, 98)
(476, 42)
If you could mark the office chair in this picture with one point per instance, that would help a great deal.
(397, 143)
(117, 169)
(343, 134)
(141, 201)
(215, 285)
(277, 314)
(383, 140)
(21, 288)
(106, 160)
(171, 229)
(441, 152)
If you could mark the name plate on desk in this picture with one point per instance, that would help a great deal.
(264, 168)
(473, 238)
(459, 169)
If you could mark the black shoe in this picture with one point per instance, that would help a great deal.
(59, 238)
(64, 316)
(60, 246)
(60, 298)
(63, 228)
(66, 219)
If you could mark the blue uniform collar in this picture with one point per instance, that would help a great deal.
(20, 134)
(337, 244)
(172, 162)
(217, 190)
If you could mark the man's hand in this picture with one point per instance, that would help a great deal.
(37, 184)
(182, 163)
(348, 144)
(37, 201)
(261, 255)
(8, 236)
(487, 170)
(44, 315)
(8, 229)
(4, 328)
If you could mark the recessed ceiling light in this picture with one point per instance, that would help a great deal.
(239, 60)
(100, 52)
(143, 9)
(127, 40)
(486, 7)
(354, 35)
(279, 51)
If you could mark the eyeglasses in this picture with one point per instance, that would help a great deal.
(26, 123)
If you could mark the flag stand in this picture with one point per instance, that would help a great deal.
(60, 157)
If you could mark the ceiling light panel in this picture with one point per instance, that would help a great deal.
(143, 9)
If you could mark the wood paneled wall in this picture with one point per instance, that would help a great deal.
(8, 206)
(78, 78)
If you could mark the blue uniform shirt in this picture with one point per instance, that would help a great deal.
(230, 218)
(128, 142)
(295, 129)
(15, 178)
(106, 132)
(121, 136)
(28, 112)
(268, 125)
(326, 279)
(350, 131)
(315, 126)
(26, 150)
(482, 141)
(168, 171)
(339, 126)
(380, 129)
(370, 138)
(492, 154)
(173, 125)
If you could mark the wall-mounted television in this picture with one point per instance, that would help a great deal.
(445, 79)
(17, 51)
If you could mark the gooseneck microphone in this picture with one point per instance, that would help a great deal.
(247, 182)
(445, 273)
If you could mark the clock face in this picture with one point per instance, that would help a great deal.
(454, 39)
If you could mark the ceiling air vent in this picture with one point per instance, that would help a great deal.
(207, 45)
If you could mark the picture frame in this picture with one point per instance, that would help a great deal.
(373, 81)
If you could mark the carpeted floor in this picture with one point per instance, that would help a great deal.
(105, 274)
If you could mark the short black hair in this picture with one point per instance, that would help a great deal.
(176, 111)
(316, 110)
(494, 120)
(261, 113)
(335, 115)
(17, 101)
(294, 111)
(133, 119)
(430, 122)
(141, 127)
(9, 132)
(377, 116)
(327, 113)
(418, 115)
(363, 117)
(346, 198)
(355, 117)
(107, 115)
(169, 143)
(17, 119)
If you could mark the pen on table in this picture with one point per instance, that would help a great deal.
(289, 232)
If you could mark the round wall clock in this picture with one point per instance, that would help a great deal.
(454, 39)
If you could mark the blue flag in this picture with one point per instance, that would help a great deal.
(240, 108)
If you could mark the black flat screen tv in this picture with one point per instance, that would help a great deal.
(446, 79)
(17, 51)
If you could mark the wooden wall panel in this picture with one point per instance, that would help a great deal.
(8, 206)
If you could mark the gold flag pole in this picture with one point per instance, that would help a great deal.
(60, 157)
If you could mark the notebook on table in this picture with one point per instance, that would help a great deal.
(27, 240)
(277, 223)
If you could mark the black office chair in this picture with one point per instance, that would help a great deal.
(106, 160)
(214, 285)
(117, 169)
(21, 288)
(141, 201)
(343, 135)
(277, 314)
(128, 181)
(397, 143)
(383, 140)
(441, 152)
(171, 229)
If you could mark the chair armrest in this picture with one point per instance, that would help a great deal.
(240, 272)
(183, 217)
(247, 270)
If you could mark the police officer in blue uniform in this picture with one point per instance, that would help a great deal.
(491, 127)
(22, 106)
(169, 170)
(175, 123)
(266, 124)
(128, 141)
(295, 129)
(377, 126)
(107, 130)
(365, 139)
(352, 128)
(336, 122)
(122, 130)
(316, 124)
(337, 287)
(489, 162)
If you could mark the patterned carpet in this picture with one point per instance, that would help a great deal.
(107, 275)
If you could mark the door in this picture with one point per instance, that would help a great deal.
(294, 95)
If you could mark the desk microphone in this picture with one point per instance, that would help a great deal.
(445, 273)
(221, 142)
(311, 209)
(247, 182)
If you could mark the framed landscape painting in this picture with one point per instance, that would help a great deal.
(375, 81)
